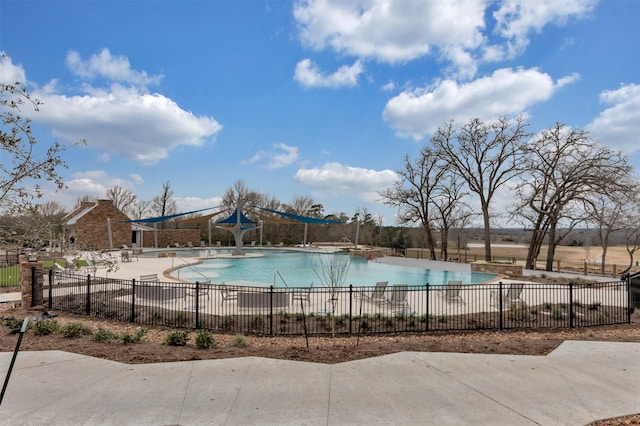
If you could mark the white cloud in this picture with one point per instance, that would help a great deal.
(188, 204)
(90, 183)
(10, 73)
(517, 18)
(505, 92)
(308, 74)
(142, 127)
(618, 125)
(283, 155)
(335, 179)
(396, 31)
(126, 121)
(389, 86)
(113, 68)
(389, 31)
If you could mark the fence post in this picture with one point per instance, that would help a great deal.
(500, 304)
(426, 318)
(271, 310)
(197, 305)
(50, 295)
(88, 307)
(350, 308)
(629, 308)
(33, 285)
(133, 300)
(571, 325)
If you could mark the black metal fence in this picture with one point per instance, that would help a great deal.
(9, 269)
(341, 310)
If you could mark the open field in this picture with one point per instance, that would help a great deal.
(617, 254)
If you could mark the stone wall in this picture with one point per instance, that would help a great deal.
(502, 269)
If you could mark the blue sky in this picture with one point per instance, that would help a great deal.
(316, 98)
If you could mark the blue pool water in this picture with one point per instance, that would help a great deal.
(296, 269)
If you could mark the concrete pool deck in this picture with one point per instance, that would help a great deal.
(409, 388)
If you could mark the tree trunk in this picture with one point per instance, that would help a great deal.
(603, 259)
(430, 242)
(487, 232)
(552, 248)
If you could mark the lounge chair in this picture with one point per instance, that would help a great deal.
(377, 294)
(303, 295)
(397, 300)
(203, 289)
(513, 295)
(452, 292)
(227, 294)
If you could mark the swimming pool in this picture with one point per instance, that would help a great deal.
(297, 269)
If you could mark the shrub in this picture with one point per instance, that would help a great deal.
(238, 341)
(557, 312)
(442, 318)
(205, 340)
(177, 338)
(45, 327)
(364, 323)
(136, 337)
(257, 322)
(13, 323)
(228, 322)
(519, 313)
(424, 318)
(74, 329)
(103, 334)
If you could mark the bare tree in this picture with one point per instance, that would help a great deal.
(413, 192)
(609, 214)
(565, 170)
(486, 156)
(448, 202)
(139, 209)
(164, 204)
(122, 198)
(332, 270)
(301, 205)
(632, 235)
(240, 193)
(26, 164)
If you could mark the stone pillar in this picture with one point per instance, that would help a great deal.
(31, 289)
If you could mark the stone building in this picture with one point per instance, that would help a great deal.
(97, 226)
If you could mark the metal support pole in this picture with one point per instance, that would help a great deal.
(13, 359)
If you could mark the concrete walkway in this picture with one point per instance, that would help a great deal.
(576, 384)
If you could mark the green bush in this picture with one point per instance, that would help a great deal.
(557, 312)
(45, 327)
(177, 338)
(205, 340)
(238, 341)
(13, 323)
(135, 337)
(74, 329)
(257, 322)
(103, 334)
